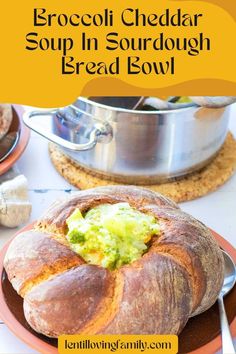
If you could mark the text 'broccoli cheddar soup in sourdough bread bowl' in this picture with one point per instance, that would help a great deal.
(115, 260)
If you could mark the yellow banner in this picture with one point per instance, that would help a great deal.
(126, 344)
(53, 51)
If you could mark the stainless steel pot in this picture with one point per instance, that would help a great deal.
(138, 147)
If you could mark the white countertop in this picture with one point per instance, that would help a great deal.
(217, 210)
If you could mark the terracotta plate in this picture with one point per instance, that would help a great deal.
(17, 124)
(201, 334)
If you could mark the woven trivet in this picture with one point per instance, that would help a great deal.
(191, 187)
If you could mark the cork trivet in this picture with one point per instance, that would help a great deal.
(187, 188)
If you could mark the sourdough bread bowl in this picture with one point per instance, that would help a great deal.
(178, 274)
(6, 116)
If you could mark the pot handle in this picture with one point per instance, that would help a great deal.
(99, 133)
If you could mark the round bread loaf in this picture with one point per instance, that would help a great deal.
(179, 276)
(5, 119)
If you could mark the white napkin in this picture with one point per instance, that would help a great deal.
(15, 208)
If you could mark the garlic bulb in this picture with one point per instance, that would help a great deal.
(15, 209)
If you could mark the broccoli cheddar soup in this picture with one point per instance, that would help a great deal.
(111, 235)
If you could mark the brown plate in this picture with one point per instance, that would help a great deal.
(201, 334)
(17, 125)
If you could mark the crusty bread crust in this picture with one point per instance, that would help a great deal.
(66, 303)
(157, 297)
(54, 219)
(34, 257)
(180, 275)
(191, 244)
(5, 119)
